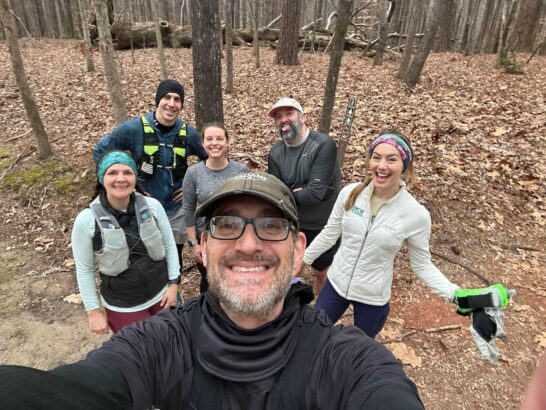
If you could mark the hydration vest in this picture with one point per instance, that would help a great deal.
(150, 160)
(113, 258)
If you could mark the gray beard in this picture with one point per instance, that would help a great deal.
(292, 133)
(235, 301)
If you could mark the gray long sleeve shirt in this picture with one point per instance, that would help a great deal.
(200, 183)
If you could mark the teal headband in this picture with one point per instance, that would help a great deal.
(114, 157)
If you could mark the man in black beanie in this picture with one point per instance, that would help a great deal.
(160, 143)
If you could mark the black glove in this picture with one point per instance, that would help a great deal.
(484, 324)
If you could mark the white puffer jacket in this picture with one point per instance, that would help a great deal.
(363, 266)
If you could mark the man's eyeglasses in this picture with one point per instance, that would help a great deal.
(266, 228)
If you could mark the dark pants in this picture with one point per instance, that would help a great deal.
(204, 284)
(179, 247)
(367, 318)
(324, 260)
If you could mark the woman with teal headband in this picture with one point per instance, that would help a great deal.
(374, 219)
(127, 236)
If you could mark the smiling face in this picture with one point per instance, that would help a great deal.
(215, 142)
(119, 181)
(168, 109)
(289, 123)
(386, 167)
(251, 276)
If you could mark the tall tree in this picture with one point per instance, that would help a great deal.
(508, 15)
(436, 11)
(443, 41)
(525, 21)
(10, 32)
(287, 49)
(207, 67)
(255, 10)
(415, 14)
(108, 58)
(159, 40)
(87, 48)
(228, 11)
(382, 32)
(344, 12)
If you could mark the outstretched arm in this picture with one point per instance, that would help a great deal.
(73, 386)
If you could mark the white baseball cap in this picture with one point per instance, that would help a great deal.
(285, 102)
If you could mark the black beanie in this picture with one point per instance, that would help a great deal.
(169, 86)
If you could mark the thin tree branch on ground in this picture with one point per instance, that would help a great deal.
(442, 328)
(19, 136)
(515, 247)
(478, 274)
(399, 338)
(188, 268)
(19, 158)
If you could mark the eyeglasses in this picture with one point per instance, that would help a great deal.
(266, 228)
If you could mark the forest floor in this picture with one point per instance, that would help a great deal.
(479, 136)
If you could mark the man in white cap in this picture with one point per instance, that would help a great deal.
(306, 161)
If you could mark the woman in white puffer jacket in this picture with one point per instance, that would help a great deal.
(374, 218)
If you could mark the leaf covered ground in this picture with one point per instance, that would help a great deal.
(479, 136)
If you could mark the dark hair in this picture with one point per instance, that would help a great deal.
(216, 124)
(407, 176)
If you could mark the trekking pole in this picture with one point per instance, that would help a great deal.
(346, 130)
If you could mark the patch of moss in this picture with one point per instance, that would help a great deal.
(4, 158)
(52, 173)
(64, 183)
(509, 66)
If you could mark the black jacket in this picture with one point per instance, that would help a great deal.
(160, 361)
(312, 166)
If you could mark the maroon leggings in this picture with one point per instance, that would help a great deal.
(118, 320)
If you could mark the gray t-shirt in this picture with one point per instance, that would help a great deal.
(200, 183)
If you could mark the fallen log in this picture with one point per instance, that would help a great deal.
(142, 33)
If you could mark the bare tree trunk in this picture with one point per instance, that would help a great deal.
(108, 58)
(416, 12)
(228, 9)
(443, 42)
(287, 50)
(88, 51)
(32, 19)
(508, 14)
(10, 30)
(466, 26)
(59, 20)
(159, 40)
(131, 32)
(256, 35)
(207, 68)
(416, 66)
(76, 18)
(520, 37)
(382, 32)
(344, 12)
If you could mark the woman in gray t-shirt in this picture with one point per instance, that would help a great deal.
(200, 182)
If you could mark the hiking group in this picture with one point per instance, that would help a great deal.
(251, 340)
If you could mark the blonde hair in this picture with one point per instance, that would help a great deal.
(408, 176)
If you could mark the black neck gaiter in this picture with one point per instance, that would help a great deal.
(239, 355)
